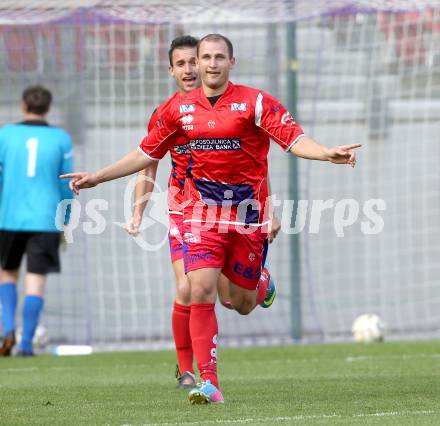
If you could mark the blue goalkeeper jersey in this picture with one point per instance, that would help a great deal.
(32, 156)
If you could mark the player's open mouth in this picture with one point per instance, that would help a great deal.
(189, 79)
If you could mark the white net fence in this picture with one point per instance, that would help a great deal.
(369, 72)
(197, 12)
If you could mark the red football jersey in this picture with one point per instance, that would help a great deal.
(229, 143)
(179, 151)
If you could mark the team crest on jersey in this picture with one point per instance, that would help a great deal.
(187, 108)
(287, 119)
(181, 149)
(186, 122)
(238, 107)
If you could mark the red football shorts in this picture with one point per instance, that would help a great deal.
(175, 235)
(238, 254)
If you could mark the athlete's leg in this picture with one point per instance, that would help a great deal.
(182, 307)
(249, 283)
(183, 290)
(203, 283)
(9, 276)
(35, 284)
(12, 248)
(32, 307)
(205, 254)
(42, 258)
(244, 301)
(8, 300)
(224, 293)
(204, 331)
(180, 324)
(224, 289)
(203, 321)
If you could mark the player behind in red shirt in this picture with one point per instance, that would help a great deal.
(229, 129)
(182, 56)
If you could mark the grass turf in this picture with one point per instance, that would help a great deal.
(386, 384)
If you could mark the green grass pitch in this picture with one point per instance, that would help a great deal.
(346, 384)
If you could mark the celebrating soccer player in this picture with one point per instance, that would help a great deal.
(229, 128)
(183, 67)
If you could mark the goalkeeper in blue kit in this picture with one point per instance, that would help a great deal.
(32, 155)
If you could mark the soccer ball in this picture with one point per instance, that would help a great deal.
(368, 328)
(41, 337)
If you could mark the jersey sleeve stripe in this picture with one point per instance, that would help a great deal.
(258, 110)
(146, 155)
(294, 142)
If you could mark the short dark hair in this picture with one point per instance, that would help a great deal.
(181, 42)
(216, 37)
(37, 99)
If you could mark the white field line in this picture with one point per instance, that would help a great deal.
(384, 357)
(65, 368)
(18, 370)
(269, 420)
(359, 358)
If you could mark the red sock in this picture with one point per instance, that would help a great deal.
(204, 330)
(182, 337)
(263, 284)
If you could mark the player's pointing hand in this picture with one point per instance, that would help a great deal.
(80, 180)
(344, 154)
(132, 227)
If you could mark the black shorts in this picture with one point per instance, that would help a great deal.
(41, 250)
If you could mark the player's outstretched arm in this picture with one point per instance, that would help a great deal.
(309, 149)
(131, 163)
(143, 189)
